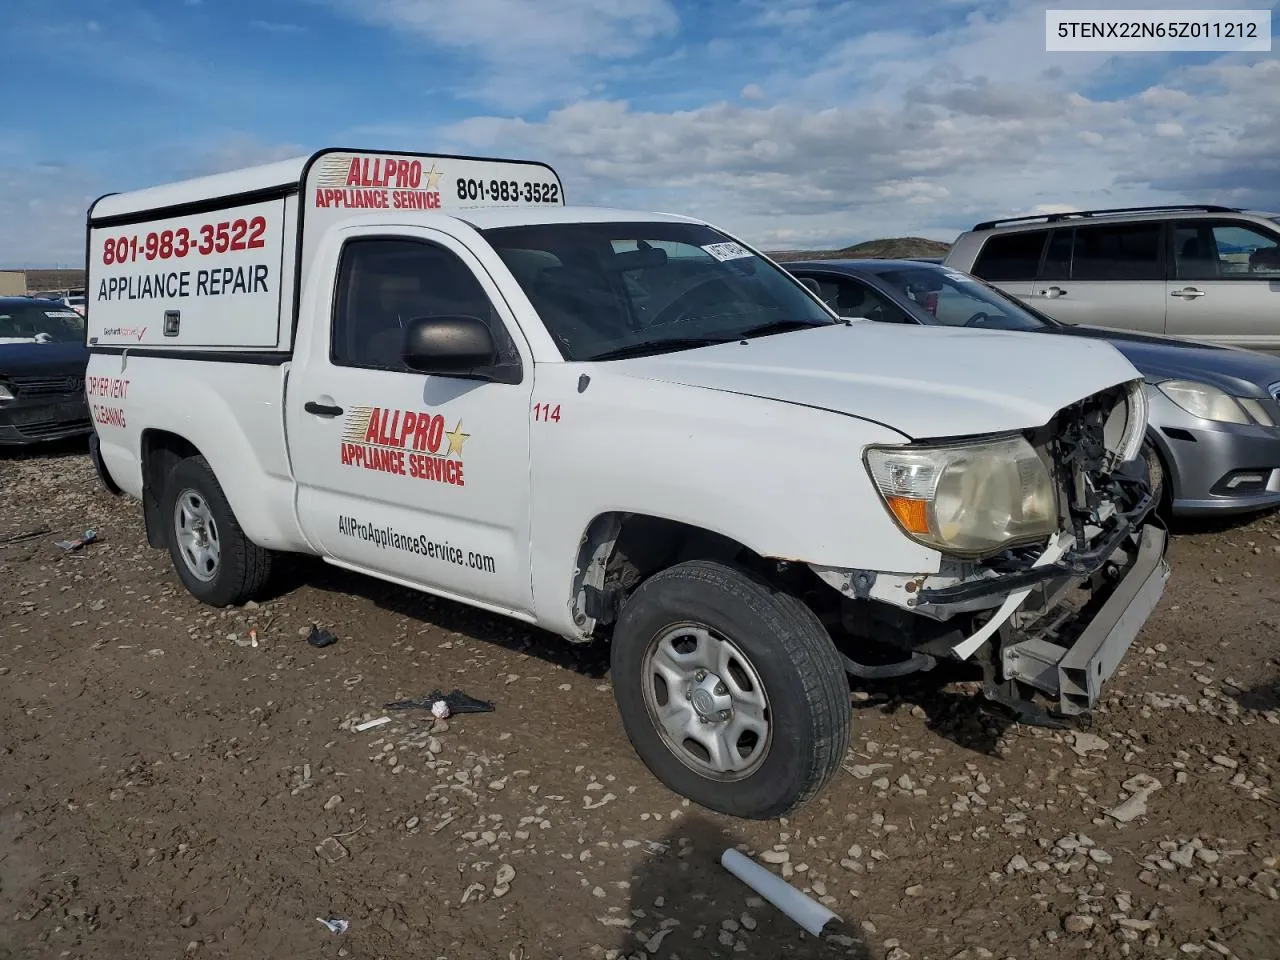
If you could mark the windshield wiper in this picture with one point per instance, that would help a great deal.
(650, 347)
(783, 326)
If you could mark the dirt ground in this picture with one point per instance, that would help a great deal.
(169, 789)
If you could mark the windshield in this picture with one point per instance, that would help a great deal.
(959, 300)
(607, 290)
(40, 323)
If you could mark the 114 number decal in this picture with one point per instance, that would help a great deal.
(546, 412)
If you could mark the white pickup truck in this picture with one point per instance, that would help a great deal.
(620, 426)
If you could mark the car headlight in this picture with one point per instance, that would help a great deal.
(1126, 426)
(5, 393)
(1256, 410)
(1203, 401)
(968, 499)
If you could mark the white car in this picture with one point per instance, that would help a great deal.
(619, 425)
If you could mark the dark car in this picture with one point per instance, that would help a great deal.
(1214, 410)
(43, 358)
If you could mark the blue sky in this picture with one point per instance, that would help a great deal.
(794, 122)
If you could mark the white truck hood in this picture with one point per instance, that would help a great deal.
(926, 382)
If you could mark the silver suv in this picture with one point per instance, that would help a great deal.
(1203, 272)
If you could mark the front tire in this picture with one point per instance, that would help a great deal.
(1157, 476)
(731, 691)
(216, 562)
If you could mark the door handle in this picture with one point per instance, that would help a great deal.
(1052, 293)
(1187, 293)
(322, 409)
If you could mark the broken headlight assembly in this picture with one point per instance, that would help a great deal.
(968, 499)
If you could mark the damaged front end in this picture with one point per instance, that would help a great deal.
(1051, 618)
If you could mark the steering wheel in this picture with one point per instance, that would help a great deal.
(677, 308)
(978, 319)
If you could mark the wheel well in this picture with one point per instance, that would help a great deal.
(619, 551)
(161, 450)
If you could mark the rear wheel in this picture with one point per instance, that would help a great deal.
(216, 562)
(731, 691)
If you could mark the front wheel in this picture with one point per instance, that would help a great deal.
(216, 562)
(730, 690)
(1156, 476)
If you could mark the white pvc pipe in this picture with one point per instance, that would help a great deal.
(804, 910)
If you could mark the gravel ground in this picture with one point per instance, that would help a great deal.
(168, 788)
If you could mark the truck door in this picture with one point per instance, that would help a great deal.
(422, 479)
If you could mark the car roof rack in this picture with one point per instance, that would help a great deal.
(1058, 217)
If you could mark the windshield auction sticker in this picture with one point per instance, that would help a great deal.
(728, 250)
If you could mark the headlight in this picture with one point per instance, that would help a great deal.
(1126, 426)
(1255, 410)
(969, 499)
(1203, 401)
(5, 393)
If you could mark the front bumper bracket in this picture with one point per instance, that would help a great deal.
(1075, 675)
(1078, 562)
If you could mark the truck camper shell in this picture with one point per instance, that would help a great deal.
(216, 263)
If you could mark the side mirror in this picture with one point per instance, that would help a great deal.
(448, 345)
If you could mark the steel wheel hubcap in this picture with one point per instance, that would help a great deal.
(197, 535)
(707, 702)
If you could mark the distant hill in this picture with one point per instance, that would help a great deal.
(887, 249)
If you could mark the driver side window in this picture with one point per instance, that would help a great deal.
(385, 284)
(850, 298)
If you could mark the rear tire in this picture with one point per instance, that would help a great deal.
(214, 559)
(748, 671)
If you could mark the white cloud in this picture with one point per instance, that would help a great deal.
(928, 165)
(43, 204)
(531, 51)
(43, 208)
(270, 26)
(230, 151)
(912, 191)
(917, 118)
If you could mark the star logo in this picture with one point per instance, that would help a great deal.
(456, 439)
(433, 177)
